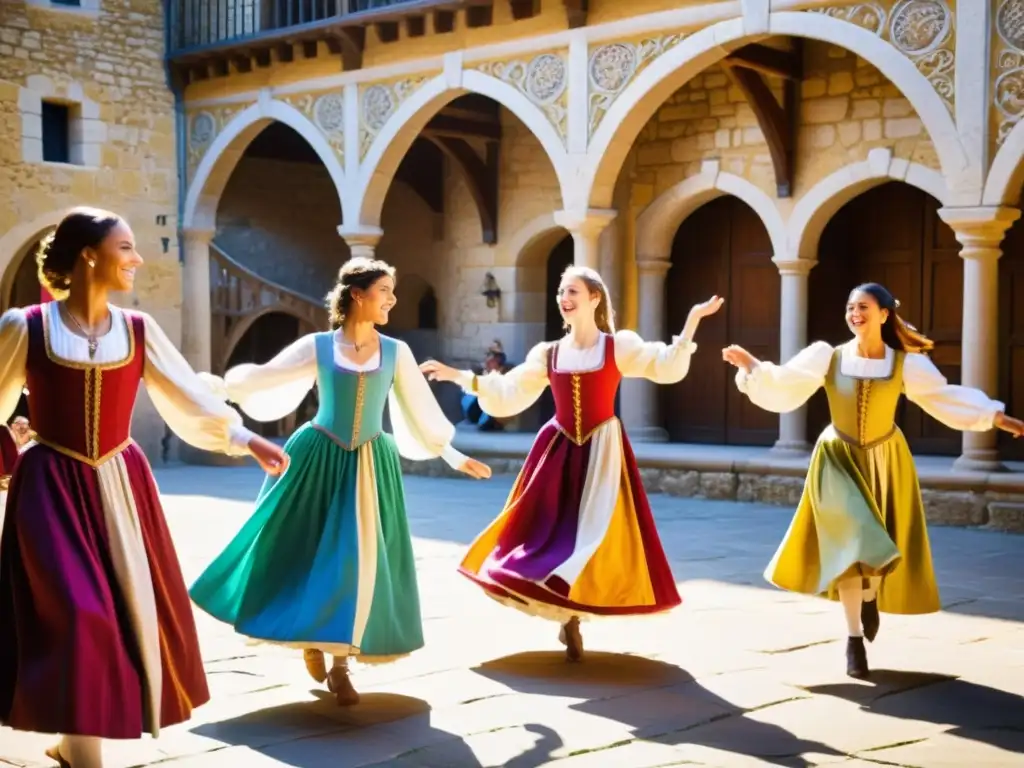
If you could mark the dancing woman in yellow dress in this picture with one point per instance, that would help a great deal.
(859, 533)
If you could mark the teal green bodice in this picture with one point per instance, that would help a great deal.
(352, 402)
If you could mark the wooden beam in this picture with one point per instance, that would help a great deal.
(768, 61)
(387, 31)
(349, 42)
(777, 122)
(263, 57)
(479, 16)
(444, 22)
(482, 178)
(309, 49)
(443, 125)
(524, 9)
(416, 26)
(576, 12)
(285, 52)
(242, 63)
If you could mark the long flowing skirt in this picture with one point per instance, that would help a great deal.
(326, 559)
(576, 536)
(861, 513)
(97, 636)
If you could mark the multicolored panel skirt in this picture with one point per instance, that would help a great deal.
(576, 536)
(326, 559)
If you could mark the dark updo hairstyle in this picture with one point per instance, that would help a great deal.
(60, 250)
(896, 332)
(360, 273)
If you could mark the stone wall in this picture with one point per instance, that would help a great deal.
(106, 64)
(846, 109)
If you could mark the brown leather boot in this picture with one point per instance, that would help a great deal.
(572, 639)
(315, 664)
(340, 684)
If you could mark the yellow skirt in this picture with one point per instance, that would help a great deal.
(861, 513)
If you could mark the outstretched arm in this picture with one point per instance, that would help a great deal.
(963, 408)
(660, 362)
(420, 428)
(501, 395)
(275, 389)
(193, 411)
(780, 388)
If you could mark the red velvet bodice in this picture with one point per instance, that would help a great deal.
(83, 410)
(8, 454)
(584, 400)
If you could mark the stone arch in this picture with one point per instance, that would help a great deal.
(530, 247)
(642, 97)
(815, 209)
(657, 225)
(226, 150)
(378, 168)
(15, 245)
(1006, 176)
(244, 325)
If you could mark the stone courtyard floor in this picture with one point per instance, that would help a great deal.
(740, 675)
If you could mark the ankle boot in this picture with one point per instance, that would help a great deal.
(315, 665)
(869, 619)
(856, 658)
(571, 637)
(340, 684)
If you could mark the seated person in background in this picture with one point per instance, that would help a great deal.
(496, 360)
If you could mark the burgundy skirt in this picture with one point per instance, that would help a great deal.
(70, 661)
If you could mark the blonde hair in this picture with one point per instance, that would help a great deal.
(604, 315)
(359, 272)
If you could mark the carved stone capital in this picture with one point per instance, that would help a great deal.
(980, 230)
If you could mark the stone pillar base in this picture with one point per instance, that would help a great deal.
(647, 435)
(980, 461)
(790, 449)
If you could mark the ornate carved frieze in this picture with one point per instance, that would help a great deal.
(378, 102)
(613, 66)
(543, 79)
(326, 110)
(1008, 89)
(922, 30)
(204, 125)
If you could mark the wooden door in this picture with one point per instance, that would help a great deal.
(724, 249)
(892, 235)
(1011, 336)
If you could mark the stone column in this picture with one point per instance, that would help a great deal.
(641, 412)
(586, 228)
(980, 231)
(196, 336)
(362, 241)
(792, 338)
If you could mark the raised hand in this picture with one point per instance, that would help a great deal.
(707, 308)
(738, 356)
(1009, 424)
(436, 371)
(476, 469)
(271, 457)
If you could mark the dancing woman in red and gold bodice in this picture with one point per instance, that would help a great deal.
(97, 638)
(576, 538)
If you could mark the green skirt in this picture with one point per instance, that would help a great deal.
(326, 559)
(861, 514)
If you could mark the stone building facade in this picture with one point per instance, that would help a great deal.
(88, 119)
(775, 151)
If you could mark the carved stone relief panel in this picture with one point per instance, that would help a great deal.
(1008, 88)
(613, 66)
(543, 79)
(378, 102)
(922, 30)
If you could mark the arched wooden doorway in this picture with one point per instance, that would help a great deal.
(722, 248)
(1011, 335)
(560, 259)
(892, 235)
(267, 336)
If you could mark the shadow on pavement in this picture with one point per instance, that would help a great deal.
(974, 712)
(660, 702)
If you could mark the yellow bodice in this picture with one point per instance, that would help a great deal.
(863, 411)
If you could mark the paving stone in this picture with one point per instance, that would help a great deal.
(742, 674)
